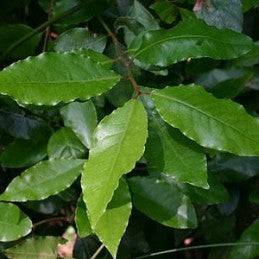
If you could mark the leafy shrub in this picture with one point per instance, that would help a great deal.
(134, 122)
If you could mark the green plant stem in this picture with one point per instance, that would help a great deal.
(38, 29)
(181, 249)
(122, 56)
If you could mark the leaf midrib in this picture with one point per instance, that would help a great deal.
(63, 82)
(206, 114)
(119, 147)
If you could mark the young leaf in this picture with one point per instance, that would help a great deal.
(64, 144)
(188, 39)
(54, 77)
(209, 121)
(221, 13)
(168, 151)
(162, 202)
(82, 119)
(250, 235)
(42, 180)
(112, 224)
(120, 139)
(79, 38)
(39, 247)
(14, 223)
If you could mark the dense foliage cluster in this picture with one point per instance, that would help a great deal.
(129, 127)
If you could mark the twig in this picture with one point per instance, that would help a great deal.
(51, 220)
(38, 29)
(50, 9)
(97, 252)
(122, 56)
(176, 250)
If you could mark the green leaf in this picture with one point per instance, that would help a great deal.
(168, 151)
(39, 247)
(82, 119)
(250, 235)
(166, 10)
(225, 83)
(234, 168)
(82, 222)
(221, 13)
(166, 47)
(216, 193)
(162, 202)
(79, 38)
(120, 139)
(71, 77)
(137, 20)
(14, 224)
(64, 144)
(250, 59)
(249, 4)
(10, 33)
(209, 121)
(23, 153)
(42, 180)
(20, 126)
(112, 224)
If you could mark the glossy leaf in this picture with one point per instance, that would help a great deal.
(250, 235)
(42, 180)
(221, 13)
(10, 33)
(234, 168)
(166, 10)
(203, 118)
(82, 222)
(225, 83)
(162, 202)
(14, 223)
(112, 224)
(71, 77)
(166, 47)
(216, 193)
(64, 144)
(23, 153)
(82, 119)
(39, 247)
(120, 139)
(79, 38)
(168, 151)
(143, 17)
(21, 126)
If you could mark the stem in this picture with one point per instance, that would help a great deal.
(46, 39)
(176, 250)
(97, 252)
(123, 57)
(38, 29)
(50, 220)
